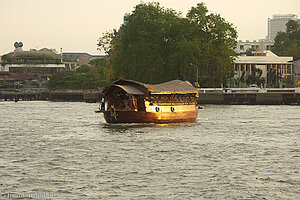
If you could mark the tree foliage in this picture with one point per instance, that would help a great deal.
(155, 44)
(288, 43)
(85, 77)
(255, 77)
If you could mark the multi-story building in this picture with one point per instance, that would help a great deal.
(278, 24)
(261, 45)
(43, 61)
(39, 63)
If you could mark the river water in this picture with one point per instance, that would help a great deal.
(66, 151)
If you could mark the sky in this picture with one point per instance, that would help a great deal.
(76, 25)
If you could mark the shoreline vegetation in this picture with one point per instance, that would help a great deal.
(84, 77)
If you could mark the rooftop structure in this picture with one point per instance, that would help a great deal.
(261, 45)
(42, 56)
(269, 58)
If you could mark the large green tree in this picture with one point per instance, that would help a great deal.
(155, 44)
(288, 43)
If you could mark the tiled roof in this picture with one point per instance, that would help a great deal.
(7, 76)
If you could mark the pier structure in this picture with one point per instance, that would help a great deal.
(228, 96)
(90, 96)
(249, 96)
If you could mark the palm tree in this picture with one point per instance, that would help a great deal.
(255, 77)
(272, 77)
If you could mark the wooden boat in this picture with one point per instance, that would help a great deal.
(128, 101)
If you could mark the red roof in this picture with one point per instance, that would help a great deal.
(7, 76)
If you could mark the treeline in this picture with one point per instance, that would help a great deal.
(156, 44)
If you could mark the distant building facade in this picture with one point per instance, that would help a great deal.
(282, 66)
(261, 45)
(39, 63)
(74, 60)
(278, 24)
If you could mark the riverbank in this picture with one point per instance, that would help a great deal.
(274, 98)
(211, 97)
(89, 96)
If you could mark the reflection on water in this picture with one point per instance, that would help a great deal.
(138, 126)
(230, 152)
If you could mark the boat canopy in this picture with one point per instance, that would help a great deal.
(126, 88)
(175, 86)
(137, 88)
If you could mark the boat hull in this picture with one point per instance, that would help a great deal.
(150, 117)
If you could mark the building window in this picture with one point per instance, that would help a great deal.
(241, 47)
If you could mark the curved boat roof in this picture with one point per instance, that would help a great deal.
(138, 88)
(175, 86)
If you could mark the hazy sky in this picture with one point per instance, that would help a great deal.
(75, 25)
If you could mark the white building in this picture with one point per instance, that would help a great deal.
(283, 66)
(278, 24)
(261, 45)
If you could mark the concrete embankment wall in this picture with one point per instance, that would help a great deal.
(249, 98)
(70, 95)
(287, 98)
